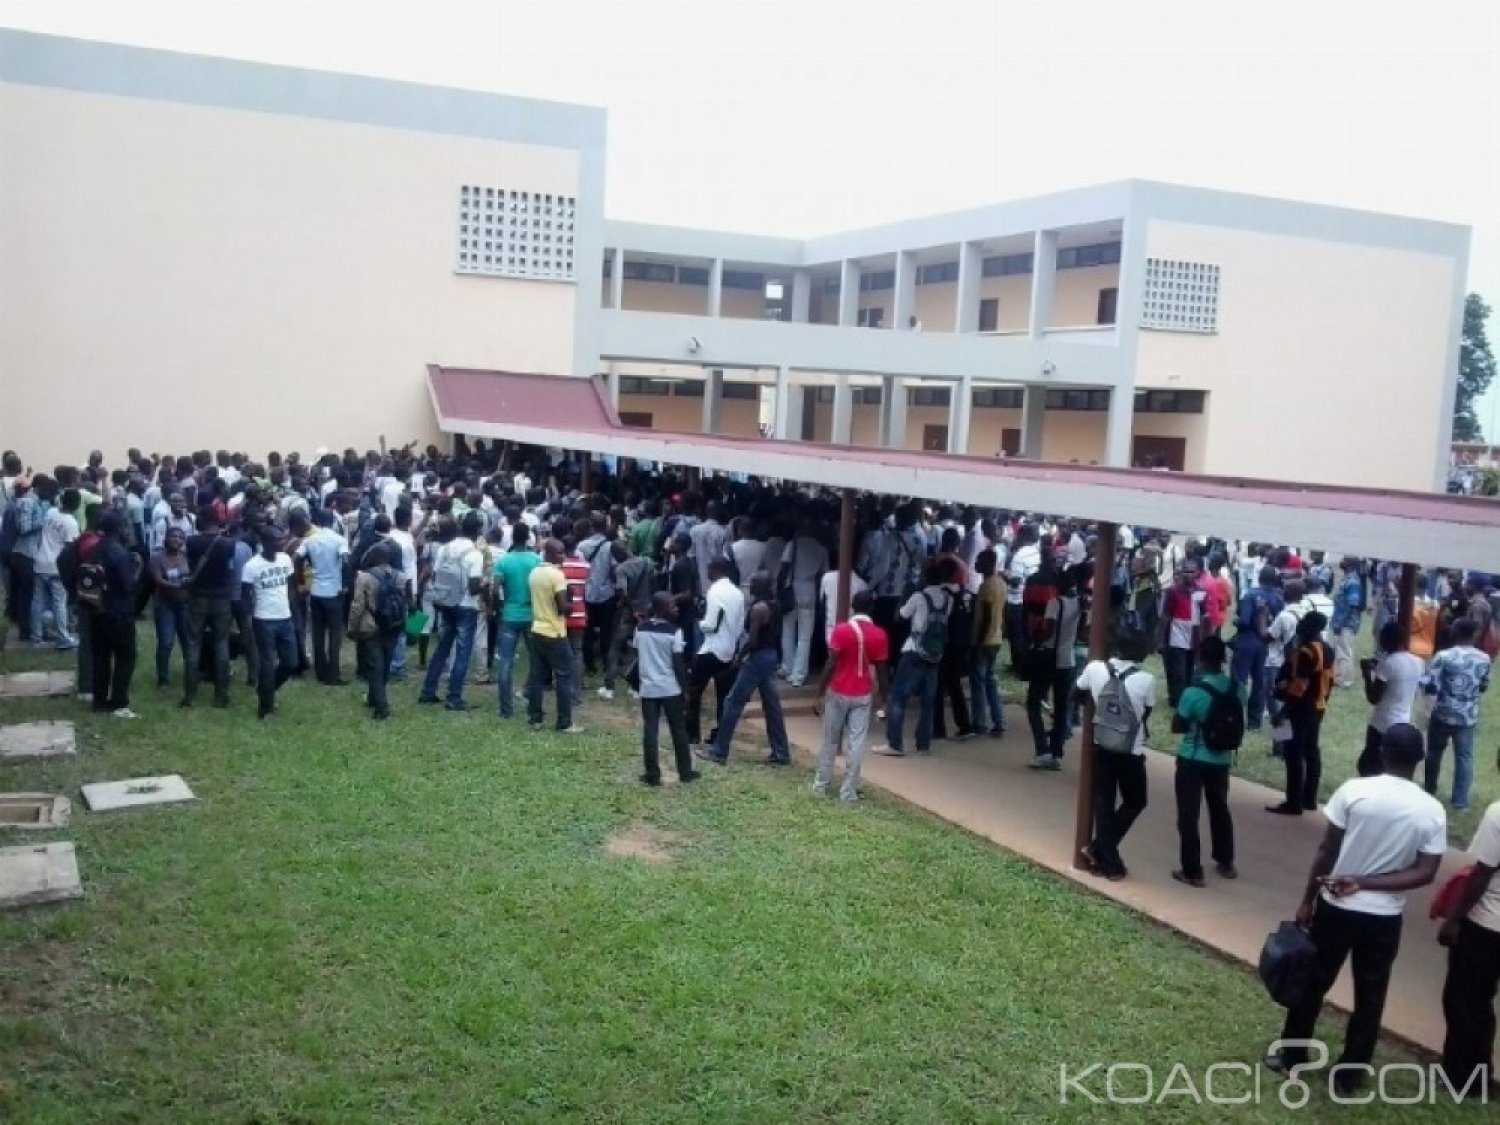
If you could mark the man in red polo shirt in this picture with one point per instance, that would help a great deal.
(576, 571)
(852, 686)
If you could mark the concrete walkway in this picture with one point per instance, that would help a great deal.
(985, 787)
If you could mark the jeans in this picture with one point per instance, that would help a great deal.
(1304, 759)
(172, 628)
(245, 626)
(1248, 666)
(551, 659)
(796, 640)
(1343, 651)
(707, 669)
(914, 677)
(455, 636)
(598, 633)
(213, 614)
(1373, 940)
(1197, 783)
(575, 646)
(301, 615)
(1119, 777)
(615, 657)
(512, 637)
(328, 637)
(652, 711)
(984, 688)
(375, 654)
(276, 648)
(1057, 683)
(843, 714)
(113, 638)
(1469, 1002)
(1178, 665)
(48, 593)
(398, 657)
(21, 579)
(757, 673)
(1438, 735)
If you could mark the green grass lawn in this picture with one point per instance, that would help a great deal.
(418, 921)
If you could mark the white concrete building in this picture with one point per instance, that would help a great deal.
(199, 253)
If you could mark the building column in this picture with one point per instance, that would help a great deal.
(905, 306)
(617, 281)
(715, 287)
(1033, 423)
(612, 383)
(848, 294)
(801, 296)
(966, 314)
(713, 400)
(788, 416)
(893, 412)
(1043, 280)
(960, 405)
(842, 431)
(1120, 428)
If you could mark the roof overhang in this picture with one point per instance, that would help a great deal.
(575, 413)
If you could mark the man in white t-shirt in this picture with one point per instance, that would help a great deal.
(456, 622)
(1119, 778)
(1471, 931)
(828, 596)
(1385, 837)
(264, 587)
(1391, 680)
(59, 528)
(803, 562)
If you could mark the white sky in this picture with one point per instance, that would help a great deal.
(801, 117)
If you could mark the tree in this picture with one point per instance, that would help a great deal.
(1476, 370)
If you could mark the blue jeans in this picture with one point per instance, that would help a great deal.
(984, 689)
(512, 637)
(276, 645)
(171, 629)
(48, 593)
(1249, 666)
(914, 676)
(1438, 735)
(398, 658)
(456, 625)
(757, 673)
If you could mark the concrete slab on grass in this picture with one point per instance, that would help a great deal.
(36, 685)
(32, 811)
(26, 742)
(106, 796)
(38, 873)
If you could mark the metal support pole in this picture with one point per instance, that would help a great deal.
(588, 472)
(846, 556)
(1408, 598)
(1100, 628)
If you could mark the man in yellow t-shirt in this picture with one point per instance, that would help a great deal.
(551, 658)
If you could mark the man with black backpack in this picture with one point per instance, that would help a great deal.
(1123, 694)
(377, 617)
(921, 657)
(1211, 718)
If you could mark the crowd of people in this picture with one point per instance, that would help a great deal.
(666, 586)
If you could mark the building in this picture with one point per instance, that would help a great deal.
(201, 252)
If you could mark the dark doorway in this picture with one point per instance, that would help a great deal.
(1150, 452)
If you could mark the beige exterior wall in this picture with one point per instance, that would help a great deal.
(738, 418)
(179, 277)
(1328, 362)
(663, 296)
(1075, 299)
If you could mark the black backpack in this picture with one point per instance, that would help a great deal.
(389, 604)
(1224, 729)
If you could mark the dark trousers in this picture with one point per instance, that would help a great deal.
(1469, 1004)
(707, 669)
(598, 634)
(1370, 762)
(1119, 797)
(1056, 683)
(886, 613)
(1198, 783)
(952, 674)
(327, 637)
(652, 710)
(214, 615)
(1304, 758)
(245, 626)
(22, 574)
(112, 636)
(375, 654)
(1372, 940)
(1178, 665)
(276, 656)
(551, 660)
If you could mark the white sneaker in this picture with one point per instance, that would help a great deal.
(124, 713)
(574, 729)
(1043, 762)
(635, 696)
(85, 697)
(605, 693)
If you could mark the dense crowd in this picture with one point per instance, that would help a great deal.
(665, 586)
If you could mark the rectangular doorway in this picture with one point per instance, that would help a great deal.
(1010, 441)
(1154, 452)
(935, 438)
(640, 419)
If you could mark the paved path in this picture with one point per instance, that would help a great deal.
(985, 787)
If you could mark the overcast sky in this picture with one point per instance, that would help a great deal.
(805, 116)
